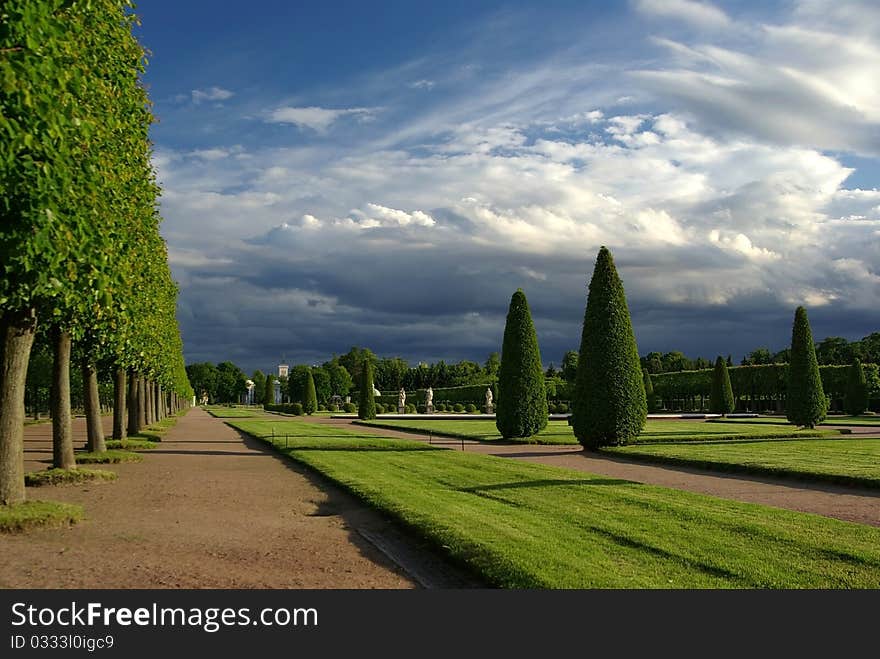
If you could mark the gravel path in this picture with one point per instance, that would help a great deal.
(853, 504)
(209, 508)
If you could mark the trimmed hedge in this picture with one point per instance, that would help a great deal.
(521, 409)
(285, 408)
(856, 400)
(765, 383)
(609, 407)
(721, 399)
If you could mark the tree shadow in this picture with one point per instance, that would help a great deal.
(547, 482)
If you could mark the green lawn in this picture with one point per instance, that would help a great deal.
(234, 412)
(830, 421)
(31, 514)
(559, 432)
(524, 525)
(846, 461)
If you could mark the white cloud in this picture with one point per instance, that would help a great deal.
(210, 94)
(699, 13)
(423, 84)
(315, 118)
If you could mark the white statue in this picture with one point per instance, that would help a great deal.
(489, 397)
(401, 397)
(429, 397)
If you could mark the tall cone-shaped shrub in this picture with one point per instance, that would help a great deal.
(805, 402)
(609, 406)
(521, 410)
(366, 397)
(721, 399)
(269, 391)
(856, 401)
(650, 398)
(310, 399)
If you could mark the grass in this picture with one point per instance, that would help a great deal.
(524, 525)
(867, 420)
(109, 456)
(30, 514)
(66, 476)
(306, 436)
(843, 461)
(130, 444)
(559, 432)
(234, 412)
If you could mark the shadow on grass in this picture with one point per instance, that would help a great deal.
(547, 482)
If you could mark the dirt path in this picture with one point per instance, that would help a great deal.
(208, 508)
(860, 505)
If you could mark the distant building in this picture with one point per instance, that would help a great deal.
(282, 370)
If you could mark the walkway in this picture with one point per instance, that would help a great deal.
(208, 508)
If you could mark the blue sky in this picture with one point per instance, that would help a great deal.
(387, 174)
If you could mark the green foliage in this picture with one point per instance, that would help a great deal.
(380, 408)
(471, 408)
(857, 390)
(609, 405)
(269, 391)
(107, 457)
(521, 408)
(310, 400)
(349, 408)
(323, 389)
(458, 407)
(721, 400)
(366, 401)
(650, 398)
(806, 403)
(285, 408)
(570, 366)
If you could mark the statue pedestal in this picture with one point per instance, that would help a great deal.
(401, 409)
(429, 409)
(490, 409)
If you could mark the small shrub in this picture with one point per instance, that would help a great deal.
(322, 408)
(296, 408)
(458, 407)
(351, 408)
(409, 408)
(333, 408)
(380, 408)
(440, 407)
(471, 408)
(561, 408)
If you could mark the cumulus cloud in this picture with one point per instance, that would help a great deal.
(210, 94)
(725, 201)
(315, 118)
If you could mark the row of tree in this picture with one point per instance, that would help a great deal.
(85, 269)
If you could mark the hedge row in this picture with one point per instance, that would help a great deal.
(764, 382)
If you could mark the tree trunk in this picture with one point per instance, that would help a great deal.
(16, 339)
(150, 405)
(119, 404)
(142, 402)
(160, 403)
(62, 427)
(94, 424)
(133, 427)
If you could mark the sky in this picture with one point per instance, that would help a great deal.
(387, 174)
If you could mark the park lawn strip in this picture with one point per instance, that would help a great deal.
(129, 444)
(867, 420)
(234, 412)
(30, 514)
(559, 432)
(842, 461)
(110, 456)
(67, 476)
(525, 525)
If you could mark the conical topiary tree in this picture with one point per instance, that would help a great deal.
(366, 398)
(310, 399)
(650, 398)
(609, 405)
(521, 410)
(269, 391)
(856, 401)
(806, 404)
(721, 399)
